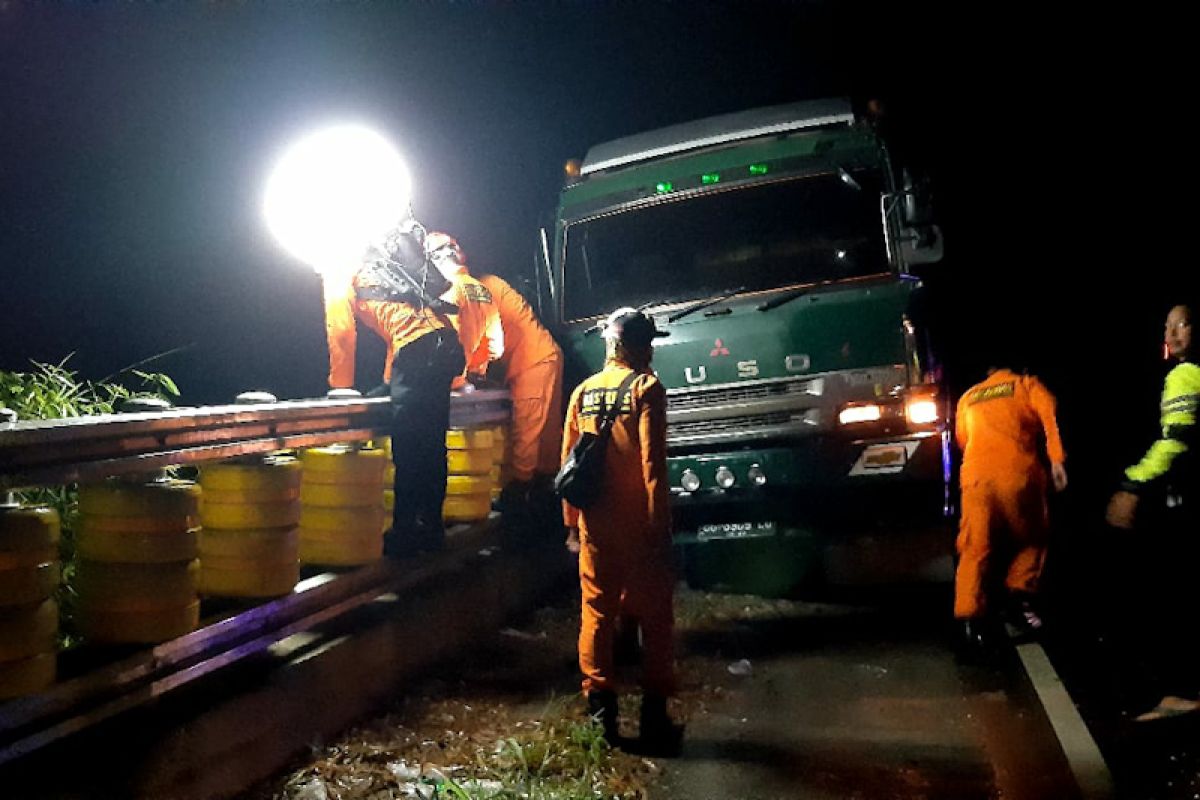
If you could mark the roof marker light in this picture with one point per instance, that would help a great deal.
(664, 187)
(758, 169)
(709, 178)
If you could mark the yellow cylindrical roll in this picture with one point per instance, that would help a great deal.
(269, 545)
(469, 462)
(273, 477)
(467, 507)
(146, 625)
(469, 439)
(468, 484)
(24, 529)
(27, 675)
(338, 464)
(28, 584)
(98, 544)
(346, 552)
(499, 444)
(389, 500)
(234, 577)
(167, 499)
(26, 558)
(28, 630)
(249, 496)
(340, 495)
(362, 520)
(112, 586)
(250, 515)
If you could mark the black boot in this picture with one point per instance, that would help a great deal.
(1023, 615)
(657, 734)
(602, 707)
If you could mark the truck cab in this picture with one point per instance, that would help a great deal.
(775, 246)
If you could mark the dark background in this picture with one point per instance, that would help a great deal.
(135, 140)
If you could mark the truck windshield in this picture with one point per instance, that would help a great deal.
(762, 236)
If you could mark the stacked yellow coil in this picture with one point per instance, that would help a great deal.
(136, 569)
(469, 484)
(342, 515)
(500, 458)
(29, 574)
(249, 546)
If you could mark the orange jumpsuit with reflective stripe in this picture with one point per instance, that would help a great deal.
(625, 538)
(477, 322)
(1002, 424)
(397, 323)
(533, 371)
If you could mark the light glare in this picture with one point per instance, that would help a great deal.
(922, 412)
(335, 192)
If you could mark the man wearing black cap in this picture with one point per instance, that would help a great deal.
(625, 536)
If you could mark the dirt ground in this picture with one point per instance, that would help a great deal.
(521, 686)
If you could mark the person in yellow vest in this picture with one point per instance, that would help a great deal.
(1000, 427)
(423, 357)
(1160, 493)
(625, 536)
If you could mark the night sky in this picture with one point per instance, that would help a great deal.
(135, 140)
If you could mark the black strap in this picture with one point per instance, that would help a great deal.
(608, 416)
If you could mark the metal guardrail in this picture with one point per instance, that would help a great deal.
(61, 451)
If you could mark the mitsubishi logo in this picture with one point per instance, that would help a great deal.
(719, 349)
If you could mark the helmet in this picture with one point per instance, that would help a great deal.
(439, 241)
(630, 326)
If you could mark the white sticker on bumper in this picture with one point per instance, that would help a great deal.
(884, 459)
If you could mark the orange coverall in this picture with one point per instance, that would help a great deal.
(533, 371)
(398, 324)
(477, 323)
(1001, 425)
(625, 538)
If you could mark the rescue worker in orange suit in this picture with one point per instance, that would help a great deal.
(1002, 424)
(532, 365)
(393, 293)
(1161, 494)
(625, 537)
(478, 319)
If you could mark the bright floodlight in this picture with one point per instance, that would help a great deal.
(335, 192)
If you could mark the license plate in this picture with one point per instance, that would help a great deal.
(734, 530)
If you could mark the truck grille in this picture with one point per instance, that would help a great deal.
(705, 398)
(754, 425)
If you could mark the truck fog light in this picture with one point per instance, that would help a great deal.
(756, 475)
(689, 480)
(861, 413)
(725, 477)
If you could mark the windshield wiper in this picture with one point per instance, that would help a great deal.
(776, 302)
(599, 325)
(678, 315)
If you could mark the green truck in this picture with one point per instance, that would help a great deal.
(808, 433)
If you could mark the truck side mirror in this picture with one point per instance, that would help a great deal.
(920, 239)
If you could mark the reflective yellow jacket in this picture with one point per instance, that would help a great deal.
(1181, 394)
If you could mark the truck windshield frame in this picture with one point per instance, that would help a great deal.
(766, 235)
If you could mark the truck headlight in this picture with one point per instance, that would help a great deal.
(922, 412)
(725, 477)
(689, 480)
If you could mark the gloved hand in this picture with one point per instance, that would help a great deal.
(382, 390)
